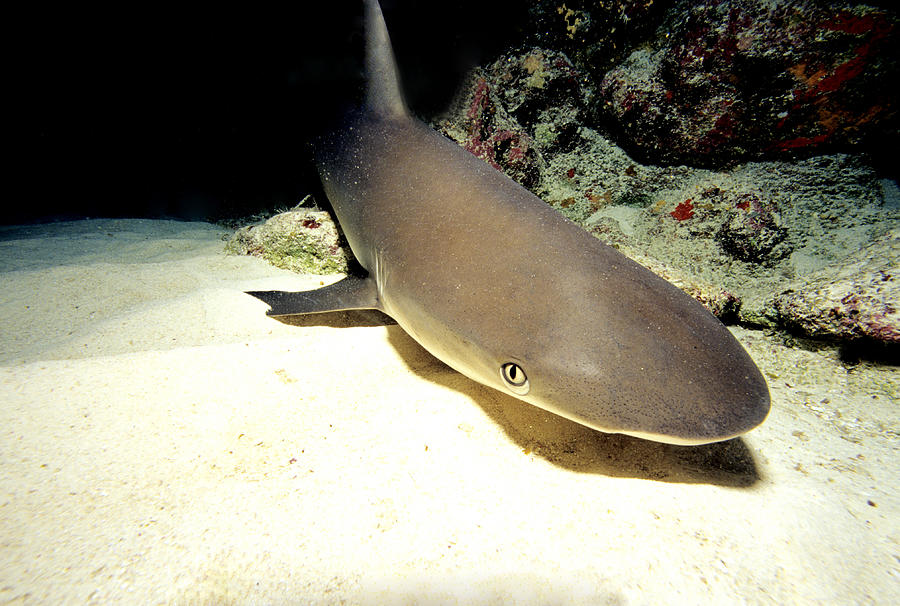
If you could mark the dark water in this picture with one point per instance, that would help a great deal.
(197, 115)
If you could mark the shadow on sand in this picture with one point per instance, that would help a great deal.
(559, 441)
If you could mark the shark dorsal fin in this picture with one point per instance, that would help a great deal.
(383, 94)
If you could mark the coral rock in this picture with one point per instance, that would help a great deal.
(733, 81)
(301, 240)
(513, 107)
(860, 299)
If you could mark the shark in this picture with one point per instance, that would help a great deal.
(502, 288)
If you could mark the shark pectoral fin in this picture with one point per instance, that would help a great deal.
(349, 293)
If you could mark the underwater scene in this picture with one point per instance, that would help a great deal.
(506, 303)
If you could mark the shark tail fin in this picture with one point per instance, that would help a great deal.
(383, 93)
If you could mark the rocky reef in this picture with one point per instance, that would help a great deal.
(716, 82)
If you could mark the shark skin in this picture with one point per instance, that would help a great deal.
(495, 283)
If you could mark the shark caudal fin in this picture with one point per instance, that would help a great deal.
(383, 94)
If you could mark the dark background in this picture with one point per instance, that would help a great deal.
(166, 112)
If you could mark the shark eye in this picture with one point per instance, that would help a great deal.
(515, 378)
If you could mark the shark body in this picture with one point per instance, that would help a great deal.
(498, 285)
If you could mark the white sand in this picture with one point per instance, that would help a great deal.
(163, 441)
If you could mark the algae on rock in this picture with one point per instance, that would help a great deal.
(301, 240)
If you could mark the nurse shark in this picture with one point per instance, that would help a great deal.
(498, 285)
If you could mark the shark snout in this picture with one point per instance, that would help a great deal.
(712, 397)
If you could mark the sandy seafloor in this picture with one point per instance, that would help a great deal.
(163, 441)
